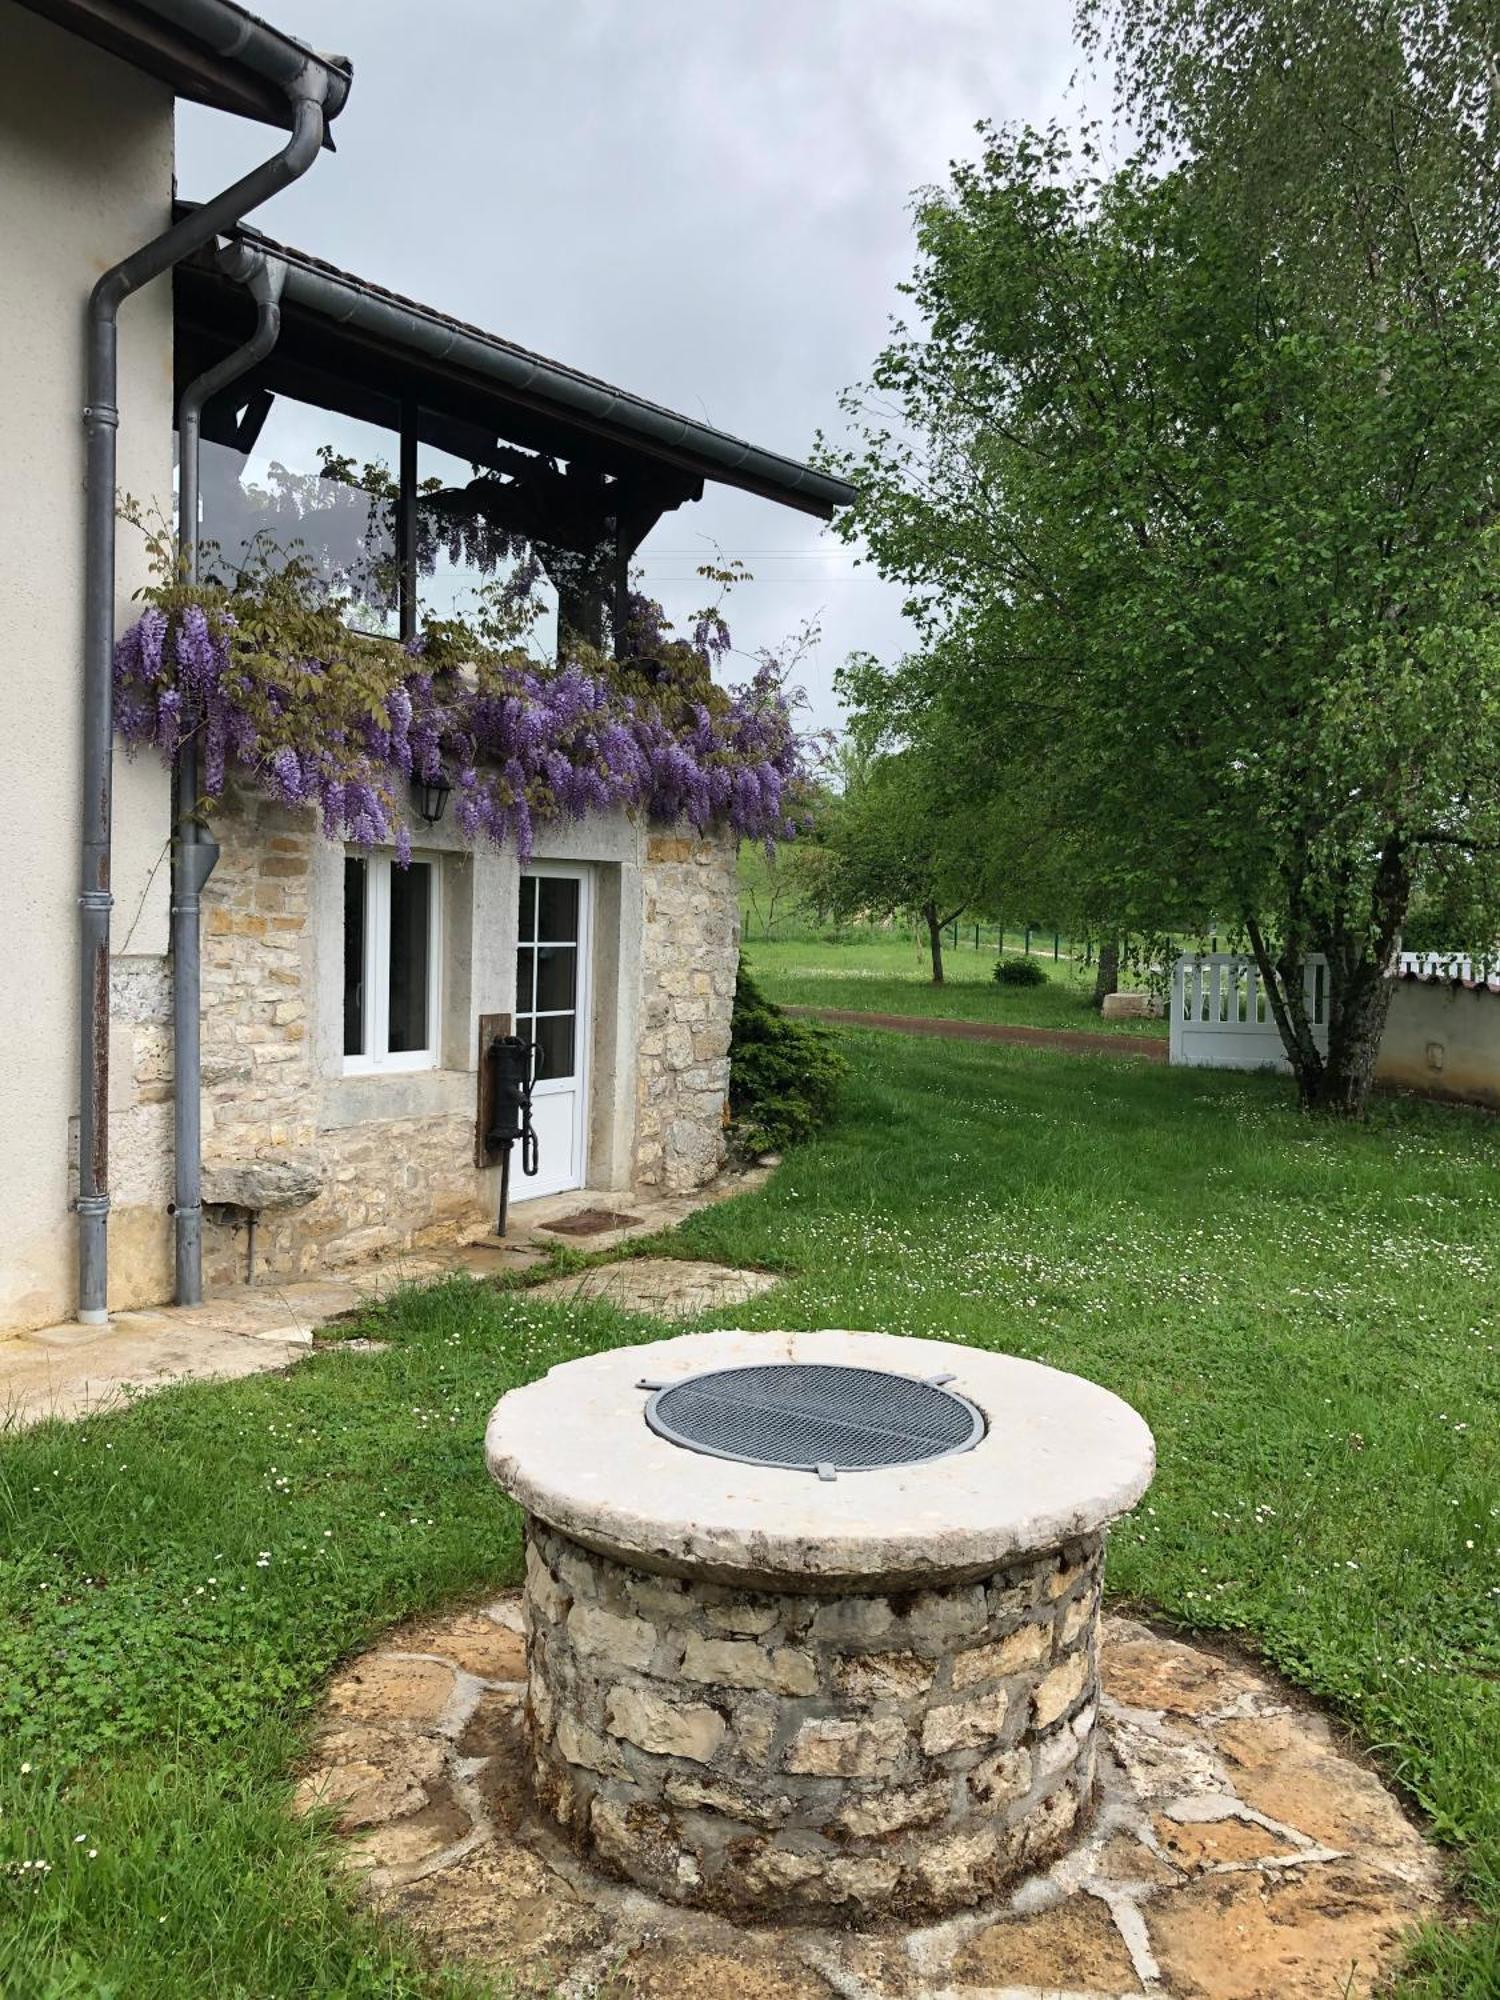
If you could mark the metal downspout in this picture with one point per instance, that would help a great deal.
(101, 420)
(194, 853)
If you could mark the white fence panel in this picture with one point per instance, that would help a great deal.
(1222, 1019)
(1449, 968)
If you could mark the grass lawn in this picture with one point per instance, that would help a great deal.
(895, 977)
(1306, 1317)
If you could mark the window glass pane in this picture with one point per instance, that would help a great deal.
(354, 956)
(312, 484)
(525, 981)
(528, 906)
(558, 907)
(468, 564)
(556, 974)
(555, 1033)
(411, 907)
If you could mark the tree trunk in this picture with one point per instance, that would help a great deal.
(1359, 996)
(934, 940)
(1357, 1010)
(1107, 975)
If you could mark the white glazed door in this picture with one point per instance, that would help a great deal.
(552, 1009)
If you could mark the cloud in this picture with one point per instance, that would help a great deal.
(706, 201)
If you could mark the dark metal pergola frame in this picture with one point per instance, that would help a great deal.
(581, 470)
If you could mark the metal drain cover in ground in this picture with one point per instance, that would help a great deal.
(815, 1417)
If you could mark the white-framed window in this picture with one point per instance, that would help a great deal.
(392, 958)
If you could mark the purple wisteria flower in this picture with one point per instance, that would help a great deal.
(521, 745)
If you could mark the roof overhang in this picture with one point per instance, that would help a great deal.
(350, 346)
(211, 51)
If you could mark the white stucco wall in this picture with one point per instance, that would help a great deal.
(85, 176)
(1444, 1039)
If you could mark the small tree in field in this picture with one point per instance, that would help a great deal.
(1193, 469)
(891, 846)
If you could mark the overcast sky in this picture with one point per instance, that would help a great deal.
(704, 201)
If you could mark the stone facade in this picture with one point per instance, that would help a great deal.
(386, 1184)
(689, 961)
(368, 1166)
(140, 1130)
(901, 1754)
(393, 1157)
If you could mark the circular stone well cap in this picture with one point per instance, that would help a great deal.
(1060, 1458)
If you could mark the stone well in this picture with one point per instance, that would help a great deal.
(759, 1689)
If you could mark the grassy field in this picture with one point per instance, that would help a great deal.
(1307, 1318)
(894, 976)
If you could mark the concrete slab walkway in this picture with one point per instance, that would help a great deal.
(73, 1371)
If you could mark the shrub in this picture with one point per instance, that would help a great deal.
(783, 1074)
(1019, 972)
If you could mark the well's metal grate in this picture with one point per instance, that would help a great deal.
(821, 1417)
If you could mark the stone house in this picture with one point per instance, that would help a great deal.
(342, 1002)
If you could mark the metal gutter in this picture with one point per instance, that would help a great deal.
(307, 91)
(263, 278)
(212, 51)
(241, 37)
(194, 852)
(400, 326)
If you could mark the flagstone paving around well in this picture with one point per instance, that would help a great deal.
(1238, 1851)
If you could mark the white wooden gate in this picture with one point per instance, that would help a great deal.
(1221, 1015)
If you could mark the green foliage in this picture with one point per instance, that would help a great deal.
(876, 974)
(176, 1582)
(890, 975)
(1018, 972)
(898, 841)
(1310, 1329)
(1437, 921)
(1190, 475)
(1327, 1423)
(781, 887)
(784, 1075)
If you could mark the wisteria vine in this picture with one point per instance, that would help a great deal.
(283, 694)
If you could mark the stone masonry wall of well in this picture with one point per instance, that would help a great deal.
(689, 959)
(886, 1754)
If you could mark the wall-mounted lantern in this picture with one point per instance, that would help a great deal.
(431, 796)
